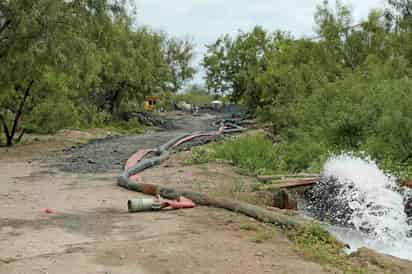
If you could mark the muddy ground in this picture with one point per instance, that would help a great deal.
(110, 154)
(61, 212)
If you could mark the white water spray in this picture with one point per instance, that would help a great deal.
(376, 204)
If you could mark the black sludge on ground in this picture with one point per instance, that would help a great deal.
(148, 119)
(111, 153)
(323, 202)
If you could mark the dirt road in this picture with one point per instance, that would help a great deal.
(90, 231)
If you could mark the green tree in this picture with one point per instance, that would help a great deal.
(400, 14)
(179, 56)
(84, 57)
(233, 65)
(216, 63)
(133, 66)
(37, 38)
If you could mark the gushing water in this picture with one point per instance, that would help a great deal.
(365, 205)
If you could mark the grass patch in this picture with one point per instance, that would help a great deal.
(201, 155)
(130, 127)
(248, 227)
(319, 246)
(116, 128)
(252, 154)
(234, 188)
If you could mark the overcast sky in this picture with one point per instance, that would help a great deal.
(205, 20)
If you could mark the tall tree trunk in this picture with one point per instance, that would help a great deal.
(10, 134)
(21, 136)
(5, 129)
(5, 26)
(117, 98)
(114, 101)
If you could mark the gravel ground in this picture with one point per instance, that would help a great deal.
(110, 154)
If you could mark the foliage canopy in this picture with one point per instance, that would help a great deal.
(69, 63)
(348, 89)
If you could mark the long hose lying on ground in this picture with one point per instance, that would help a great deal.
(131, 180)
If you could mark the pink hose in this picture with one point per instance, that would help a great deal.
(142, 153)
(137, 157)
(200, 134)
(134, 159)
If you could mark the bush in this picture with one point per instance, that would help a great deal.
(304, 155)
(52, 115)
(253, 153)
(369, 114)
(91, 116)
(257, 155)
(132, 126)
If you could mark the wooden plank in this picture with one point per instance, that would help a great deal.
(268, 178)
(292, 183)
(297, 183)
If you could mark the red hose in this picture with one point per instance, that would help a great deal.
(137, 157)
(182, 202)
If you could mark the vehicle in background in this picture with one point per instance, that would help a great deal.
(152, 103)
(217, 105)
